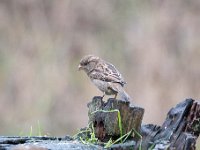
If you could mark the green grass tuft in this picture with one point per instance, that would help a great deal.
(93, 140)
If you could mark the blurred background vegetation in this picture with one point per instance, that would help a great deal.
(155, 44)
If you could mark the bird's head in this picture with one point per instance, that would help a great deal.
(88, 63)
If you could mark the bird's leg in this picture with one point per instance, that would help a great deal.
(103, 95)
(115, 96)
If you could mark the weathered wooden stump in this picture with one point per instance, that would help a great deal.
(107, 117)
(179, 131)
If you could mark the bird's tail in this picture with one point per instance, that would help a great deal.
(123, 95)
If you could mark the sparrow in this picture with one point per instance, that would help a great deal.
(104, 75)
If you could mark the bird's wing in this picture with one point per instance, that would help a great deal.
(107, 72)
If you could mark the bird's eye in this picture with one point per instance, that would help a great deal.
(85, 63)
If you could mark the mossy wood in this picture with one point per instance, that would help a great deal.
(113, 118)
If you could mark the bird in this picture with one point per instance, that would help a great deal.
(104, 76)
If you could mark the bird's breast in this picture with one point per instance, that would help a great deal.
(104, 86)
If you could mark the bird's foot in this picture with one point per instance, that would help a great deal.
(103, 96)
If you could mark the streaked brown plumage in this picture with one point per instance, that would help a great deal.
(104, 75)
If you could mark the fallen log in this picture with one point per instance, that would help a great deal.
(42, 143)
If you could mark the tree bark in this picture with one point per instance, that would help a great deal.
(179, 131)
(107, 117)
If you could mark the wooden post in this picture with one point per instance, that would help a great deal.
(107, 117)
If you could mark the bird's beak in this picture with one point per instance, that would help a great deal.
(80, 67)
